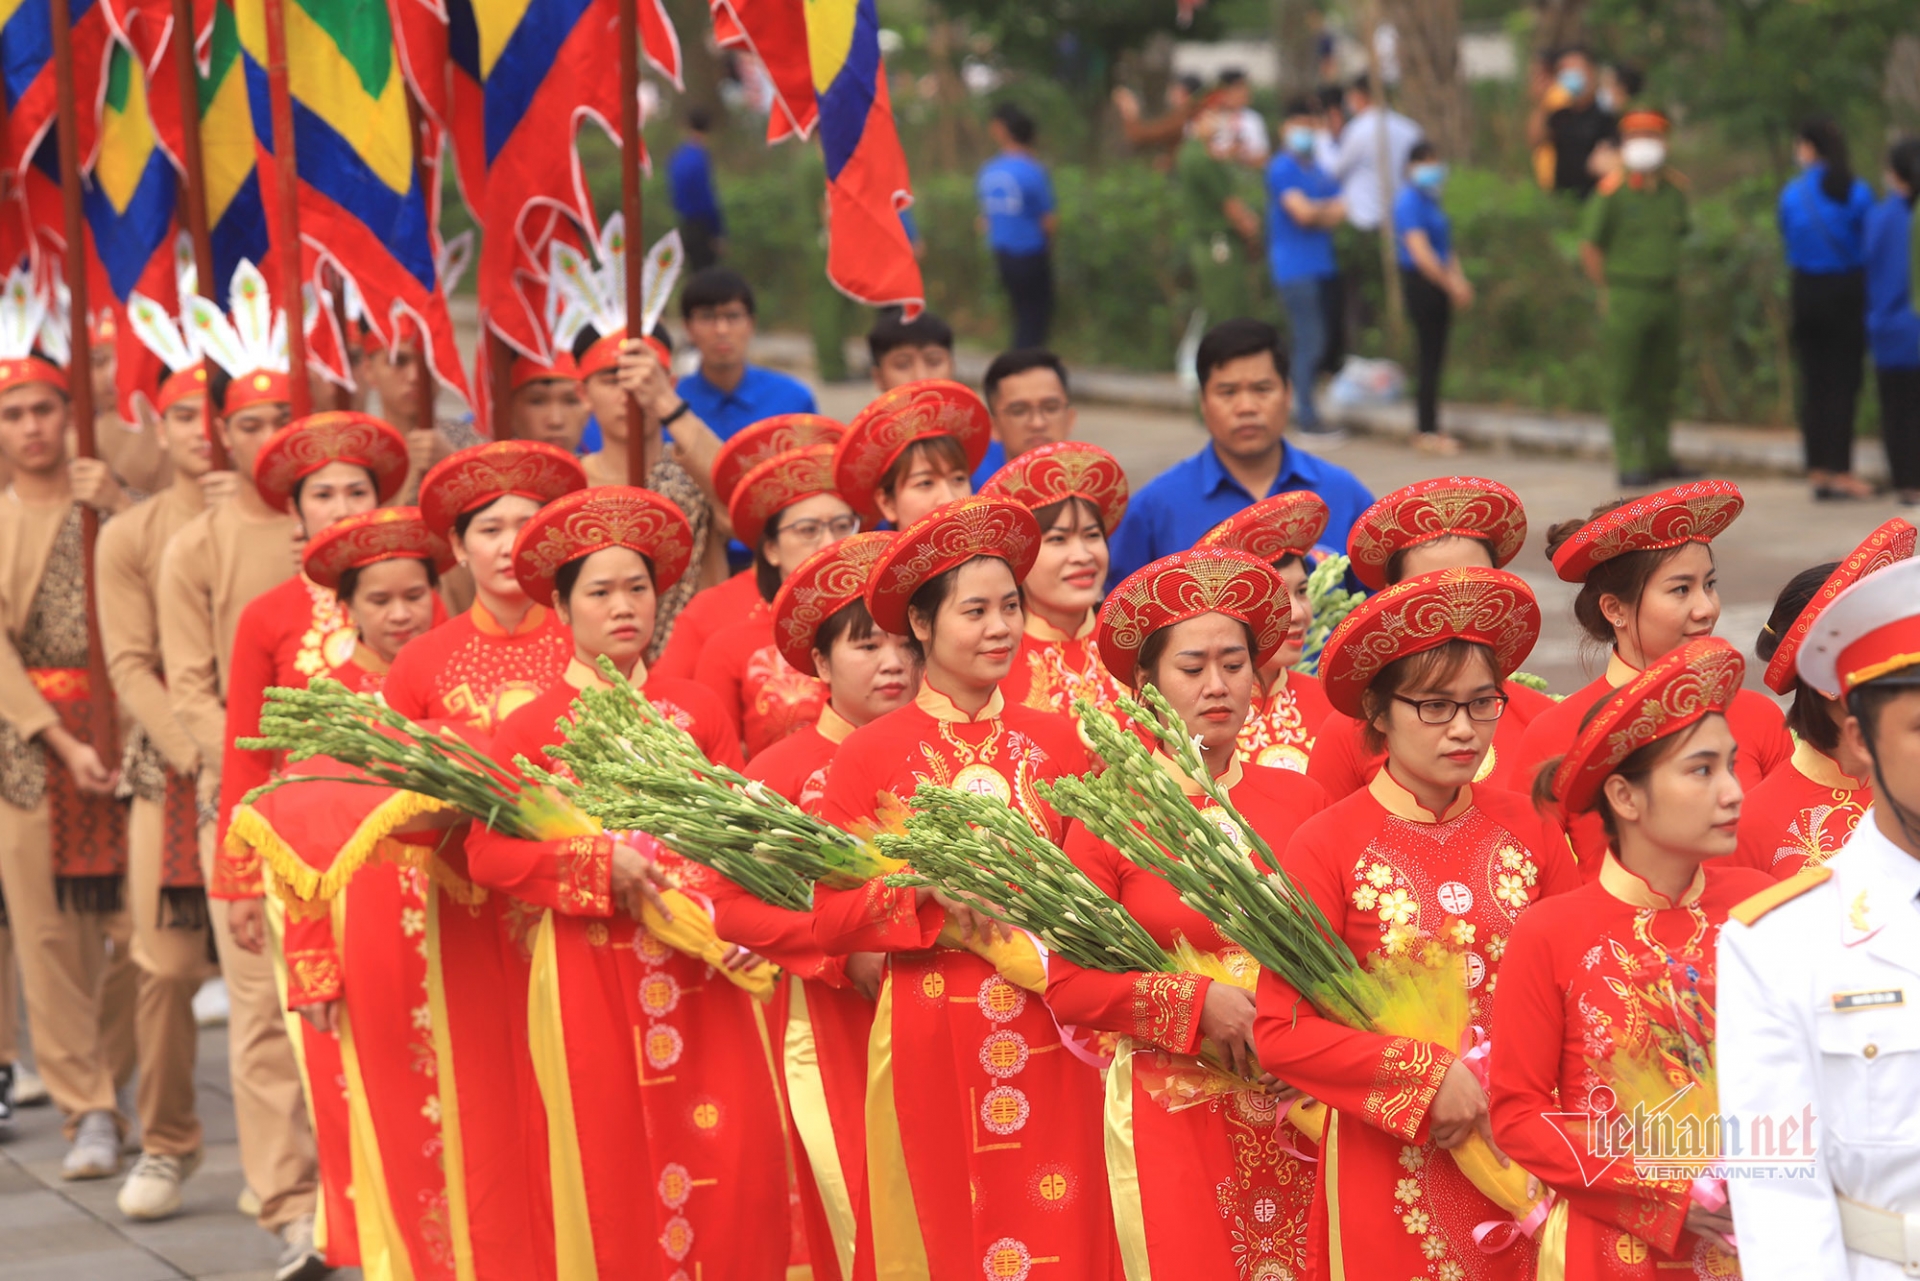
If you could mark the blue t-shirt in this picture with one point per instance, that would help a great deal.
(762, 393)
(1295, 252)
(690, 180)
(1892, 326)
(1014, 194)
(996, 458)
(1172, 510)
(1823, 238)
(1415, 210)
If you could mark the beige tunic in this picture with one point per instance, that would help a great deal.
(214, 566)
(127, 583)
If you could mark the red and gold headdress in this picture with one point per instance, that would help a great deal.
(524, 371)
(248, 341)
(1888, 545)
(824, 584)
(776, 484)
(386, 533)
(1691, 513)
(1871, 631)
(1273, 528)
(1673, 694)
(593, 291)
(337, 436)
(947, 539)
(1457, 506)
(475, 477)
(1206, 580)
(1485, 606)
(881, 432)
(591, 520)
(757, 442)
(30, 322)
(1066, 469)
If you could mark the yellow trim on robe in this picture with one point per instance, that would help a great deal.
(1330, 1153)
(899, 1252)
(1552, 1262)
(383, 1251)
(277, 950)
(807, 1096)
(1123, 1165)
(454, 1148)
(546, 1032)
(1820, 768)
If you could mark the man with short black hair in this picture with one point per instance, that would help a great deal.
(1244, 398)
(1026, 392)
(905, 351)
(1017, 216)
(726, 392)
(695, 203)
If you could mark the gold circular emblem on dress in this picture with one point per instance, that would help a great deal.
(933, 985)
(706, 1115)
(1053, 1186)
(597, 933)
(984, 780)
(1631, 1249)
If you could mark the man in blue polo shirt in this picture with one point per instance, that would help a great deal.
(1017, 214)
(1244, 396)
(1304, 208)
(726, 392)
(695, 205)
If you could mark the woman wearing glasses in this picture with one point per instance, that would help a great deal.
(1424, 867)
(1078, 493)
(786, 509)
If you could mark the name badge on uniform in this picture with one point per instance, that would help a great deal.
(1880, 999)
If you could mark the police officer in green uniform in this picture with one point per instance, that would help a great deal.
(1631, 236)
(1223, 229)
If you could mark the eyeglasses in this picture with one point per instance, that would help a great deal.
(1441, 711)
(1021, 410)
(810, 531)
(722, 315)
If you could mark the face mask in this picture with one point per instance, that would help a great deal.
(1606, 98)
(1429, 177)
(1300, 139)
(1574, 81)
(1643, 155)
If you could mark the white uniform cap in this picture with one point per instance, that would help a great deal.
(1870, 630)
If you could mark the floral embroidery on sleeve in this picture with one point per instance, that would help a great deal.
(1404, 1083)
(1163, 1010)
(586, 876)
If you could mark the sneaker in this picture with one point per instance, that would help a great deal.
(152, 1191)
(248, 1203)
(210, 1003)
(300, 1259)
(29, 1091)
(95, 1153)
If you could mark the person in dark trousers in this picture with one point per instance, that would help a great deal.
(1304, 206)
(1572, 122)
(1823, 220)
(695, 204)
(1893, 329)
(1431, 282)
(1017, 215)
(1632, 234)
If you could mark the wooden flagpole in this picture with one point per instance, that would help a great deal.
(193, 185)
(80, 368)
(630, 145)
(426, 394)
(287, 172)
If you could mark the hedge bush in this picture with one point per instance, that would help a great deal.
(1532, 339)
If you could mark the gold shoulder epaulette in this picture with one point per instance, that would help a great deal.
(1784, 892)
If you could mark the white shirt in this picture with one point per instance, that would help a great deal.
(1357, 163)
(1819, 1011)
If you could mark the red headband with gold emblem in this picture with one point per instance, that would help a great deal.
(31, 369)
(824, 584)
(261, 387)
(1206, 580)
(1675, 693)
(947, 539)
(474, 477)
(1485, 606)
(1692, 513)
(1888, 545)
(592, 520)
(776, 484)
(757, 442)
(604, 353)
(1273, 528)
(364, 538)
(524, 371)
(1066, 469)
(191, 381)
(1450, 506)
(882, 431)
(336, 436)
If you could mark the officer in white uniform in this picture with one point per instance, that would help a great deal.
(1819, 987)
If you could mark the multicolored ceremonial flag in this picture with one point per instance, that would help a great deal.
(363, 205)
(26, 64)
(868, 254)
(129, 195)
(774, 31)
(236, 213)
(531, 71)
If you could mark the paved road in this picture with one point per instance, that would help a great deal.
(51, 1231)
